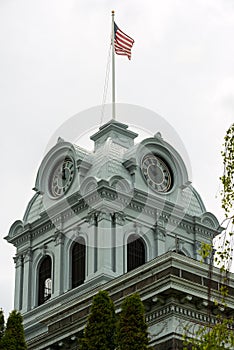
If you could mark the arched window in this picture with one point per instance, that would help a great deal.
(45, 280)
(135, 252)
(78, 262)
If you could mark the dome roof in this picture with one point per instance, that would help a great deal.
(113, 156)
(34, 209)
(192, 202)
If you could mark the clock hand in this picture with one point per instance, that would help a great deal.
(63, 173)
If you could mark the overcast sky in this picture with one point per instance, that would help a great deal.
(52, 66)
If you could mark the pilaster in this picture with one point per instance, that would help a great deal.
(119, 243)
(59, 273)
(27, 281)
(92, 252)
(104, 243)
(160, 237)
(19, 274)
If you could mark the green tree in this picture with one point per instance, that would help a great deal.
(13, 338)
(216, 337)
(99, 333)
(2, 324)
(220, 335)
(227, 178)
(132, 331)
(225, 248)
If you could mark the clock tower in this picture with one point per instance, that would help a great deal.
(124, 218)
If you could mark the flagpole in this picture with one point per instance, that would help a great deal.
(113, 65)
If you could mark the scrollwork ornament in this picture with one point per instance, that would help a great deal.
(163, 327)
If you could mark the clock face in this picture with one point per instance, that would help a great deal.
(61, 177)
(156, 173)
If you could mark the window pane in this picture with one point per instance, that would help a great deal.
(45, 282)
(78, 263)
(47, 288)
(135, 252)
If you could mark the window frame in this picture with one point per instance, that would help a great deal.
(43, 276)
(78, 262)
(135, 258)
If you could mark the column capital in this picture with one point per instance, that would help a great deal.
(99, 215)
(91, 218)
(120, 218)
(18, 260)
(28, 255)
(58, 237)
(159, 230)
(104, 215)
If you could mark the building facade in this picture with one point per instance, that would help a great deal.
(125, 218)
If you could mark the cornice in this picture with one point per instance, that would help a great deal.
(154, 271)
(179, 310)
(139, 202)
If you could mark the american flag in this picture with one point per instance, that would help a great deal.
(122, 42)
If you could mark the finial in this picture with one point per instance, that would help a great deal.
(60, 139)
(158, 135)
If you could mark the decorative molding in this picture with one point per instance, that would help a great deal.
(137, 228)
(58, 237)
(163, 327)
(179, 310)
(181, 326)
(160, 231)
(130, 165)
(43, 229)
(104, 215)
(44, 249)
(28, 255)
(18, 260)
(91, 218)
(120, 218)
(58, 222)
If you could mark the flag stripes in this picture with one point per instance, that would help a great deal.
(122, 42)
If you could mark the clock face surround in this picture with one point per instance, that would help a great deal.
(156, 173)
(61, 177)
